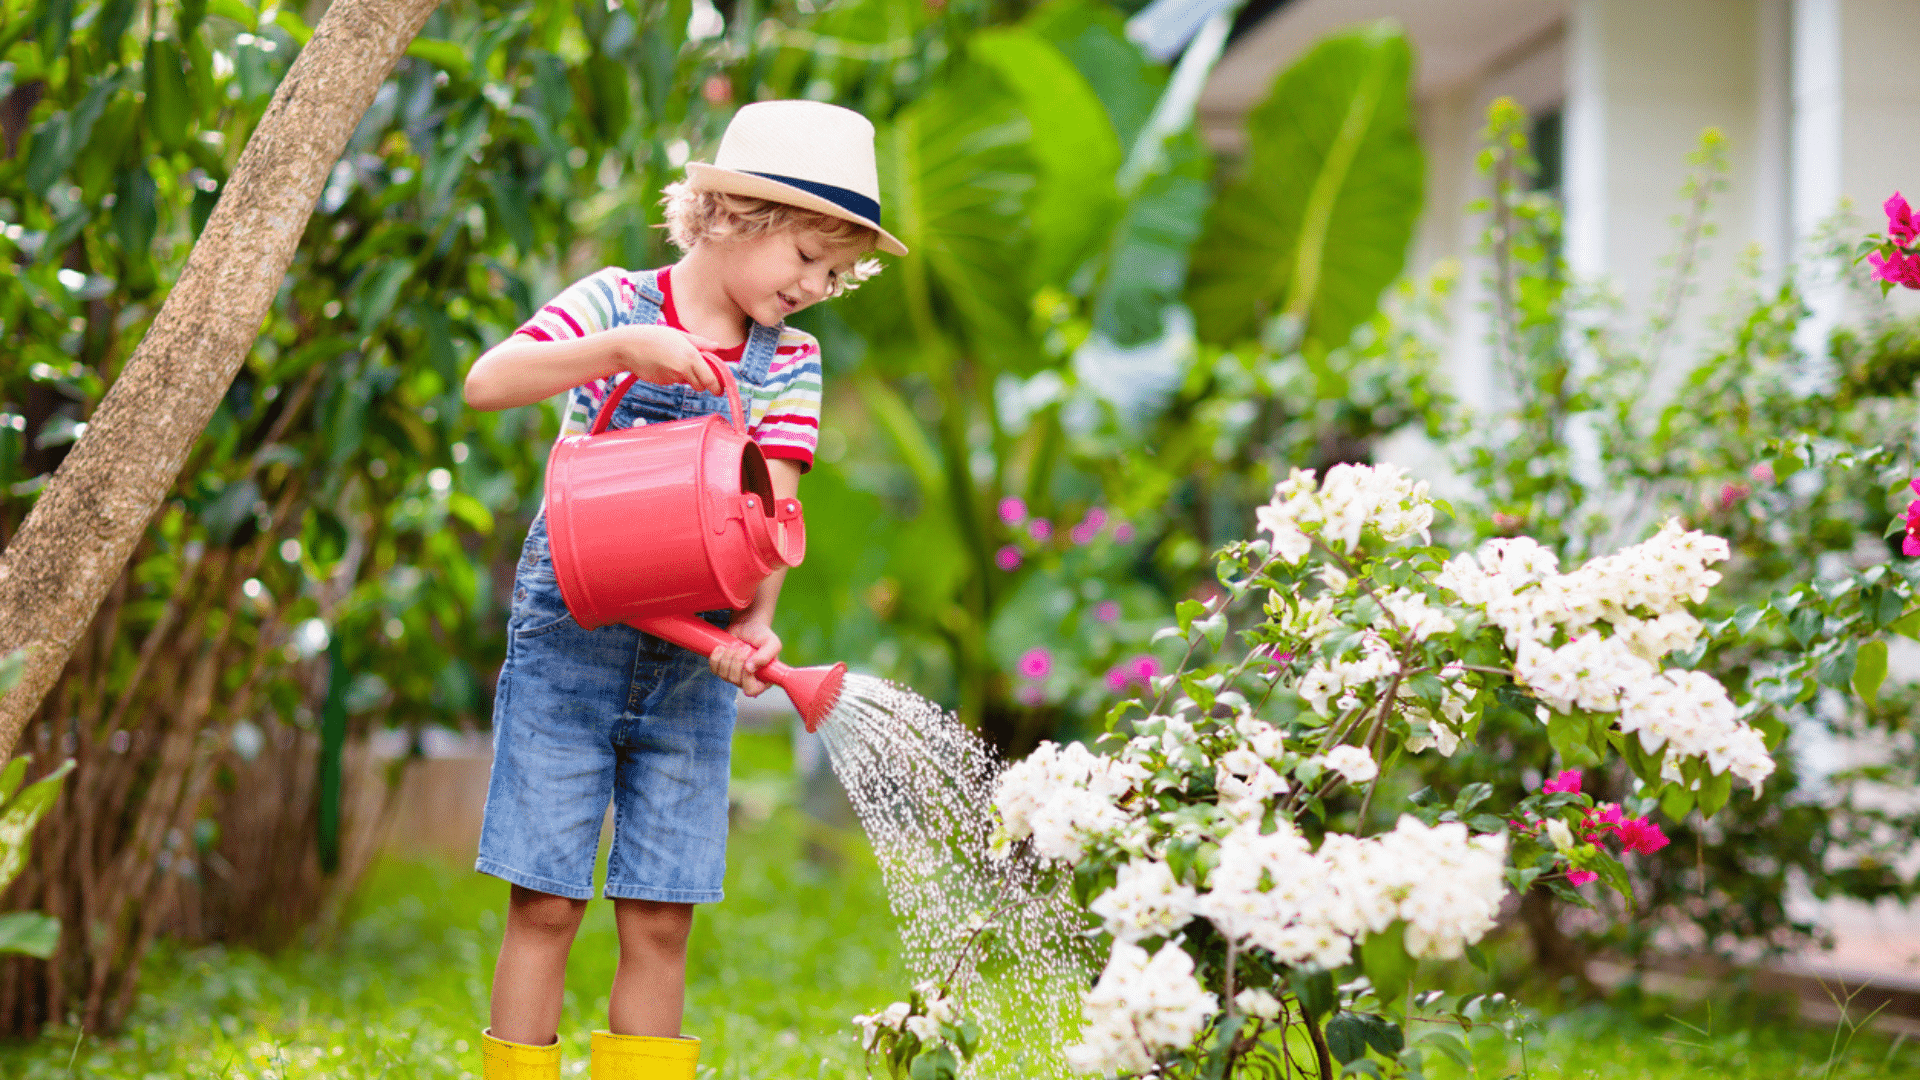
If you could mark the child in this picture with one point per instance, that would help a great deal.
(783, 219)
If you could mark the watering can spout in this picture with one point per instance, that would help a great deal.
(814, 690)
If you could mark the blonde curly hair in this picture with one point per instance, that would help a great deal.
(694, 214)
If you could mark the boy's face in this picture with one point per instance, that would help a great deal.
(777, 273)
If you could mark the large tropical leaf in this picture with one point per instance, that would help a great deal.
(1073, 144)
(955, 175)
(1093, 37)
(1318, 223)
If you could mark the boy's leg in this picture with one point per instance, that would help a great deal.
(650, 984)
(529, 979)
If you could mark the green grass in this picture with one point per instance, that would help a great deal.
(774, 973)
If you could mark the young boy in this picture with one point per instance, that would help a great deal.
(784, 218)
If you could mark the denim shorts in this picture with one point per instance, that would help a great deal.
(584, 717)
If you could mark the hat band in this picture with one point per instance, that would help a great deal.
(851, 201)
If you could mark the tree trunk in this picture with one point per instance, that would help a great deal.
(80, 533)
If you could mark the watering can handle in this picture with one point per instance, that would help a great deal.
(727, 381)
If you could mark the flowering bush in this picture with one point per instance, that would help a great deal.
(1224, 842)
(1895, 255)
(924, 1037)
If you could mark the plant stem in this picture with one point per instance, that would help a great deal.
(1322, 1057)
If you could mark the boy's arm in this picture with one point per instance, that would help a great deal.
(753, 624)
(521, 371)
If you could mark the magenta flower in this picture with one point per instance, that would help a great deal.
(1896, 268)
(1732, 493)
(1040, 529)
(1013, 511)
(1089, 526)
(1035, 663)
(1123, 533)
(1762, 473)
(1143, 668)
(1901, 224)
(1581, 877)
(1641, 836)
(1117, 678)
(1107, 611)
(1007, 558)
(1566, 781)
(1911, 545)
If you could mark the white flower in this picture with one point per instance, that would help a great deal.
(924, 1028)
(1258, 1003)
(895, 1016)
(1141, 1007)
(1352, 762)
(1144, 902)
(1562, 836)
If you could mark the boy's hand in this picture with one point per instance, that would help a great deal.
(738, 664)
(661, 354)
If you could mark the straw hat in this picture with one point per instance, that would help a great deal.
(803, 153)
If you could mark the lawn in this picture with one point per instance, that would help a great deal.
(775, 972)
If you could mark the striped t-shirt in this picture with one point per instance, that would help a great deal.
(783, 413)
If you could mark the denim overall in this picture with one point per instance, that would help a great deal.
(582, 717)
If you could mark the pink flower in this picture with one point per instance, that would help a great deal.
(718, 89)
(1762, 473)
(1117, 678)
(1566, 781)
(1089, 526)
(1007, 558)
(1581, 877)
(1127, 672)
(1013, 511)
(1107, 611)
(1896, 268)
(1911, 545)
(1123, 533)
(1901, 224)
(1040, 529)
(1035, 664)
(1732, 493)
(1641, 836)
(1143, 667)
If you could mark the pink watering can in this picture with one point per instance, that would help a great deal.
(651, 524)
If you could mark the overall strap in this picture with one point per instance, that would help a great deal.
(648, 300)
(762, 343)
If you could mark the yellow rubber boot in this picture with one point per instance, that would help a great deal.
(643, 1057)
(503, 1060)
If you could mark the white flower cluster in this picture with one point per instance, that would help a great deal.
(1350, 498)
(1145, 902)
(1688, 712)
(936, 1009)
(1416, 618)
(1245, 774)
(1273, 891)
(1063, 796)
(1327, 678)
(1140, 1008)
(1352, 762)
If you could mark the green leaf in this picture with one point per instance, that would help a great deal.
(1747, 618)
(445, 55)
(1568, 734)
(1315, 991)
(59, 141)
(1805, 625)
(1072, 142)
(1676, 801)
(1870, 669)
(15, 771)
(1384, 955)
(1908, 625)
(1346, 1037)
(21, 815)
(1471, 796)
(12, 667)
(1318, 223)
(935, 1064)
(53, 27)
(1449, 1044)
(169, 102)
(1714, 792)
(134, 215)
(1385, 1037)
(29, 932)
